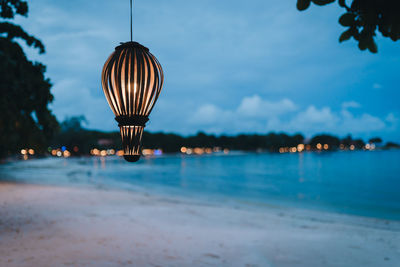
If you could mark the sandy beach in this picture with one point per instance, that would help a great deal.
(66, 226)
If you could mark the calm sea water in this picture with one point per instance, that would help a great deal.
(357, 182)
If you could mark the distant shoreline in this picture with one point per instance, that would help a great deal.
(187, 151)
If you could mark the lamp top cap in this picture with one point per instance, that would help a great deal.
(131, 44)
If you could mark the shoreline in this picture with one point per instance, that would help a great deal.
(42, 225)
(95, 173)
(19, 157)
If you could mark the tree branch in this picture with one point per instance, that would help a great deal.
(14, 31)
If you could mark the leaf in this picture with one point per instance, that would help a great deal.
(356, 34)
(322, 2)
(346, 35)
(21, 8)
(395, 32)
(347, 19)
(8, 8)
(15, 31)
(372, 46)
(362, 44)
(356, 4)
(342, 3)
(303, 4)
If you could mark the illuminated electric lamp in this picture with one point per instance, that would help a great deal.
(132, 79)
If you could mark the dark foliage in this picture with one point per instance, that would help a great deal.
(375, 140)
(332, 141)
(80, 142)
(73, 124)
(348, 141)
(25, 119)
(392, 145)
(363, 18)
(10, 31)
(270, 142)
(74, 135)
(8, 8)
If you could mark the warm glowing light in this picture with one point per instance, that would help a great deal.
(103, 153)
(183, 149)
(319, 146)
(54, 152)
(208, 150)
(24, 152)
(352, 147)
(148, 152)
(31, 151)
(95, 152)
(293, 150)
(120, 153)
(300, 147)
(226, 151)
(198, 150)
(67, 154)
(326, 146)
(285, 149)
(367, 146)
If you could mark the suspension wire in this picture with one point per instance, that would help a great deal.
(131, 23)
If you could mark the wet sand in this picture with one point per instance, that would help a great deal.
(66, 226)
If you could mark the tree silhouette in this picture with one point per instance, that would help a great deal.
(375, 140)
(332, 141)
(363, 17)
(25, 119)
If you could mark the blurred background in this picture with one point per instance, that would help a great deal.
(277, 129)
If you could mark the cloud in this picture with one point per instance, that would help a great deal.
(213, 119)
(254, 106)
(350, 104)
(95, 109)
(284, 115)
(210, 114)
(377, 86)
(365, 123)
(311, 120)
(252, 114)
(342, 122)
(391, 118)
(393, 121)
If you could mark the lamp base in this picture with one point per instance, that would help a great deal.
(131, 158)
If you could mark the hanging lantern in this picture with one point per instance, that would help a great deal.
(132, 80)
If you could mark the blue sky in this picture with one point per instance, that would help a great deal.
(230, 66)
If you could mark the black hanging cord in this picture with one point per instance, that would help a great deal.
(131, 24)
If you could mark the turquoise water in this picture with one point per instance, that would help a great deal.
(354, 182)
